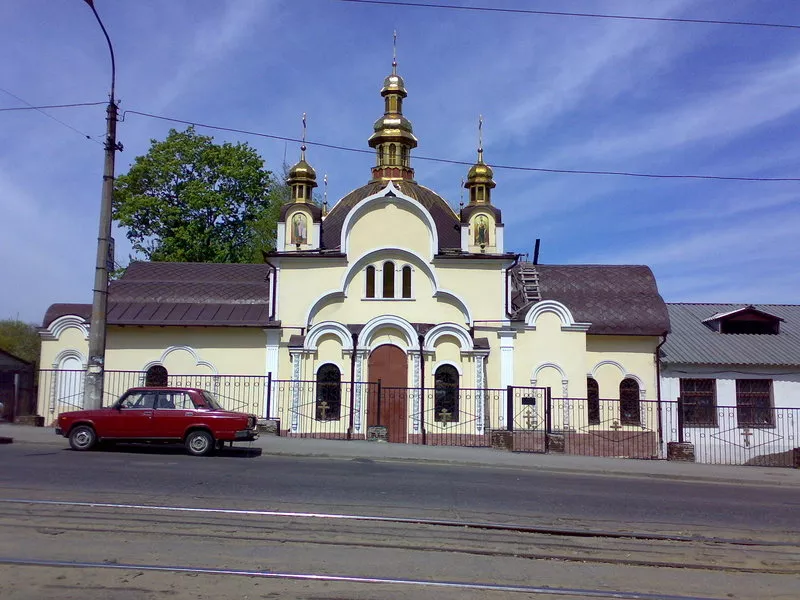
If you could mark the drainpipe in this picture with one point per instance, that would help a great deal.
(352, 385)
(508, 275)
(273, 299)
(421, 339)
(658, 390)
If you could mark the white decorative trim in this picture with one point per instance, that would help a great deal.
(415, 397)
(280, 240)
(398, 198)
(506, 365)
(198, 362)
(315, 306)
(460, 303)
(328, 362)
(370, 257)
(546, 365)
(452, 364)
(296, 358)
(480, 397)
(69, 353)
(625, 375)
(453, 329)
(61, 324)
(499, 238)
(328, 327)
(359, 357)
(272, 348)
(465, 238)
(376, 323)
(567, 320)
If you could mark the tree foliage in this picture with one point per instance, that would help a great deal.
(189, 199)
(20, 339)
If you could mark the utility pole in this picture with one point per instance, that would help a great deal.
(95, 369)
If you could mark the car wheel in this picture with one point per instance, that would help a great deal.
(82, 437)
(199, 443)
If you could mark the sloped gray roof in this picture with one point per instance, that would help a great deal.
(693, 342)
(199, 294)
(615, 299)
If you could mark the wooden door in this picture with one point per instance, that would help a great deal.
(389, 365)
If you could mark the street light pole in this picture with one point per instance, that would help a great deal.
(93, 382)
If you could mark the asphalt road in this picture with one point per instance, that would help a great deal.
(365, 486)
(120, 544)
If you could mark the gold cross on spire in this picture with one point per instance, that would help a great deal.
(303, 146)
(394, 54)
(480, 138)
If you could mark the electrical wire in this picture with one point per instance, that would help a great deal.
(48, 106)
(48, 115)
(466, 163)
(553, 13)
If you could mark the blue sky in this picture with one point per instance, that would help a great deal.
(555, 92)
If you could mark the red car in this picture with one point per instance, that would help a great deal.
(159, 414)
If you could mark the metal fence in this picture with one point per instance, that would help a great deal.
(62, 391)
(729, 435)
(530, 418)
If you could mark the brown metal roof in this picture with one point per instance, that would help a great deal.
(197, 294)
(615, 299)
(447, 222)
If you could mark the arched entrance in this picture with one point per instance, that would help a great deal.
(388, 365)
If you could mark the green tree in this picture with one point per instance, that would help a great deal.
(20, 339)
(189, 199)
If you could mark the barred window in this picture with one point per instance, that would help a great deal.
(593, 401)
(754, 403)
(446, 394)
(629, 402)
(329, 393)
(156, 376)
(699, 399)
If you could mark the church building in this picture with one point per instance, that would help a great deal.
(389, 310)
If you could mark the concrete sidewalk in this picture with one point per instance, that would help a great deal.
(477, 457)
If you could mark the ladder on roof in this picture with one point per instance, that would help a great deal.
(530, 282)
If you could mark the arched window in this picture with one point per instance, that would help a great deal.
(481, 194)
(329, 393)
(392, 154)
(156, 376)
(593, 401)
(388, 279)
(404, 155)
(406, 282)
(399, 104)
(446, 394)
(370, 281)
(629, 402)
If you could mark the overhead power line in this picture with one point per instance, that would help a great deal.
(553, 13)
(48, 106)
(30, 106)
(462, 162)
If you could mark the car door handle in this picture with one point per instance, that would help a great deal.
(148, 413)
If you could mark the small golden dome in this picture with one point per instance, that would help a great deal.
(394, 84)
(480, 170)
(302, 171)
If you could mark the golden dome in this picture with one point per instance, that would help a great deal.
(480, 170)
(302, 171)
(394, 84)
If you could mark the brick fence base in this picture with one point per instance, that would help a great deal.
(681, 451)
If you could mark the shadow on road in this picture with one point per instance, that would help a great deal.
(174, 449)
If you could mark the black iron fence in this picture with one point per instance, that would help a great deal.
(728, 435)
(529, 417)
(62, 391)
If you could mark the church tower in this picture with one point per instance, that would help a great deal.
(299, 226)
(394, 138)
(481, 223)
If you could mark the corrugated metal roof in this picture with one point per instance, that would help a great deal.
(693, 342)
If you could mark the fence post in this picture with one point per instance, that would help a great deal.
(378, 422)
(680, 419)
(510, 408)
(269, 395)
(548, 418)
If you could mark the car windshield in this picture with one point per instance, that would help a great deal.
(211, 400)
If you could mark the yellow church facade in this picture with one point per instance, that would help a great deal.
(389, 314)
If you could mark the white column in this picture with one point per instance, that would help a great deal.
(506, 365)
(360, 391)
(480, 396)
(297, 359)
(416, 370)
(271, 366)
